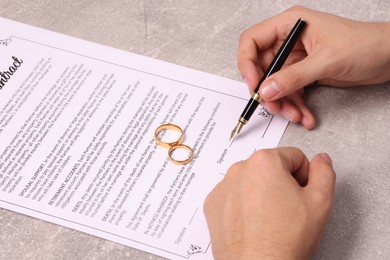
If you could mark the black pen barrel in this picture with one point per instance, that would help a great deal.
(249, 110)
(276, 64)
(284, 51)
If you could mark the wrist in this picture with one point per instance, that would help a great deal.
(387, 32)
(375, 55)
(384, 28)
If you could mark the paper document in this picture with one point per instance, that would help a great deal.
(77, 123)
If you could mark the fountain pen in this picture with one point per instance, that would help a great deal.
(275, 65)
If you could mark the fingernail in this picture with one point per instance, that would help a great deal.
(326, 157)
(307, 123)
(270, 90)
(304, 121)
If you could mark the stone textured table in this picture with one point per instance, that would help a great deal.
(353, 124)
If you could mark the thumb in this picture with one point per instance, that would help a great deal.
(321, 180)
(290, 79)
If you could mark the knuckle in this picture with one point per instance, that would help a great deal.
(244, 35)
(233, 169)
(210, 201)
(207, 204)
(295, 8)
(322, 201)
(263, 156)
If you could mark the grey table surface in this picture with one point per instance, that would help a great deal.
(353, 123)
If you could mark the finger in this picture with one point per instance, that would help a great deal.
(291, 78)
(263, 34)
(272, 106)
(295, 162)
(285, 108)
(247, 62)
(321, 180)
(293, 109)
(272, 31)
(290, 111)
(258, 45)
(307, 119)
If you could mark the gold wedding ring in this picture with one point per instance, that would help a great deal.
(173, 145)
(180, 146)
(166, 127)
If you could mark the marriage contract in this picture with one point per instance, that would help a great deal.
(77, 125)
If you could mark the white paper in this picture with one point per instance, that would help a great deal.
(77, 121)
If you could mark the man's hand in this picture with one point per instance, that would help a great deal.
(273, 205)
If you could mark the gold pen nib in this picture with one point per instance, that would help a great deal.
(236, 130)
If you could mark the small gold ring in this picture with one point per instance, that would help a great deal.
(168, 127)
(180, 146)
